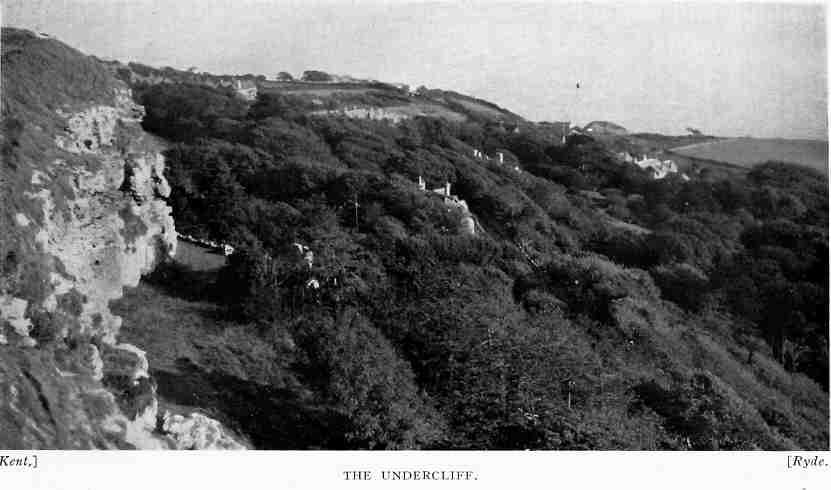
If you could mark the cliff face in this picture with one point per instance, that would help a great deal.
(82, 216)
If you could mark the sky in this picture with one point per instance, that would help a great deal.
(727, 69)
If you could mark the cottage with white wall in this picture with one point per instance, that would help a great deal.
(467, 224)
(246, 89)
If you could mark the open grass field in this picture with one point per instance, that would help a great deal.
(431, 110)
(404, 111)
(481, 109)
(304, 86)
(747, 152)
(320, 92)
(316, 89)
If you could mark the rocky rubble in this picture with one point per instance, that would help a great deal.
(197, 431)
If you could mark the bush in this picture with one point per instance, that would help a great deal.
(316, 76)
(359, 374)
(682, 284)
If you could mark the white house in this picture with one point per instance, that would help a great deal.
(246, 89)
(467, 224)
(660, 169)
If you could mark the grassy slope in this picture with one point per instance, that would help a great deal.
(44, 75)
(204, 362)
(435, 103)
(187, 345)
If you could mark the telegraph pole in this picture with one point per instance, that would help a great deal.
(356, 211)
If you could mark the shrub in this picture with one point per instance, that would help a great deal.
(682, 284)
(316, 76)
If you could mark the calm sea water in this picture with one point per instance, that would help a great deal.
(753, 151)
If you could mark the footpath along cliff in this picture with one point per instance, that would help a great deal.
(82, 215)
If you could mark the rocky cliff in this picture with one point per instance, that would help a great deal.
(82, 215)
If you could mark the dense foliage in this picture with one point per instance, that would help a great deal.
(582, 314)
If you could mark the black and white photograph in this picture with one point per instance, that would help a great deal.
(433, 226)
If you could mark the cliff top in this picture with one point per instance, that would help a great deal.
(41, 74)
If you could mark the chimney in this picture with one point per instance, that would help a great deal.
(421, 184)
(501, 157)
(447, 189)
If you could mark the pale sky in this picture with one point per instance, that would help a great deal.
(728, 69)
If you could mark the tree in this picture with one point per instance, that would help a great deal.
(360, 375)
(316, 76)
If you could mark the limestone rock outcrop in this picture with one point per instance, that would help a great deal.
(82, 215)
(197, 431)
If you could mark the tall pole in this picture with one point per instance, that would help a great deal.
(356, 211)
(571, 109)
(575, 100)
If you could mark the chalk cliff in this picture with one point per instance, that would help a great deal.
(82, 215)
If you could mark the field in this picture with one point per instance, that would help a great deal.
(427, 109)
(431, 103)
(321, 91)
(479, 108)
(747, 152)
(297, 86)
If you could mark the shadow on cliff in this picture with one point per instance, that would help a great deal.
(270, 417)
